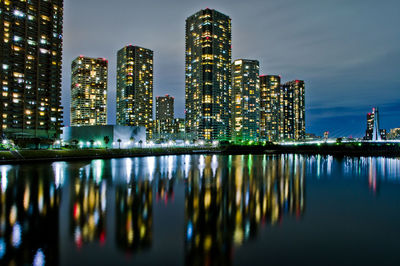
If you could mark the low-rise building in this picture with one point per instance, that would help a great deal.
(109, 136)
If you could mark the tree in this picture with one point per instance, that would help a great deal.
(140, 143)
(119, 143)
(106, 140)
(75, 143)
(91, 143)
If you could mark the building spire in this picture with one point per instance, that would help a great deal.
(376, 135)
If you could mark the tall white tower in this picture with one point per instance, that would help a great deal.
(376, 133)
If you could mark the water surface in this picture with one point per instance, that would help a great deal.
(202, 210)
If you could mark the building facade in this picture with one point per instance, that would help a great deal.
(282, 109)
(245, 100)
(208, 75)
(89, 91)
(293, 123)
(30, 68)
(169, 129)
(165, 108)
(270, 107)
(373, 131)
(110, 136)
(135, 86)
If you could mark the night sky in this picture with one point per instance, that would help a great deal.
(347, 51)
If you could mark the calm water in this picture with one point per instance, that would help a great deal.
(202, 210)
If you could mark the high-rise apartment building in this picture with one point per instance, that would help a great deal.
(293, 123)
(165, 108)
(208, 75)
(135, 86)
(270, 107)
(89, 91)
(282, 109)
(245, 100)
(30, 68)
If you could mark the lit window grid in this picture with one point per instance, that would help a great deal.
(39, 114)
(208, 103)
(89, 91)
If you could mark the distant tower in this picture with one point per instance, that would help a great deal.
(376, 133)
(165, 108)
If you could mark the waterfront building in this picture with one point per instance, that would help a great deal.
(109, 136)
(165, 108)
(208, 75)
(30, 69)
(135, 87)
(282, 109)
(89, 91)
(270, 107)
(292, 114)
(245, 100)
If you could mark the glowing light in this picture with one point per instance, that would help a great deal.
(59, 173)
(214, 164)
(16, 235)
(128, 168)
(2, 248)
(170, 166)
(187, 165)
(78, 237)
(189, 231)
(4, 179)
(98, 170)
(151, 163)
(39, 258)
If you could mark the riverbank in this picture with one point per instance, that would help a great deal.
(31, 156)
(336, 149)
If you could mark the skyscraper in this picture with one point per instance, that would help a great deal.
(135, 86)
(30, 68)
(165, 108)
(245, 100)
(373, 131)
(370, 125)
(270, 107)
(208, 75)
(293, 123)
(89, 91)
(282, 109)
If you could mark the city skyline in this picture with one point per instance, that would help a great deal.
(333, 66)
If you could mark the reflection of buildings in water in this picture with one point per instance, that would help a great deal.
(88, 205)
(29, 204)
(134, 215)
(228, 207)
(165, 190)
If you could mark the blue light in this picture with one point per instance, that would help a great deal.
(2, 248)
(189, 232)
